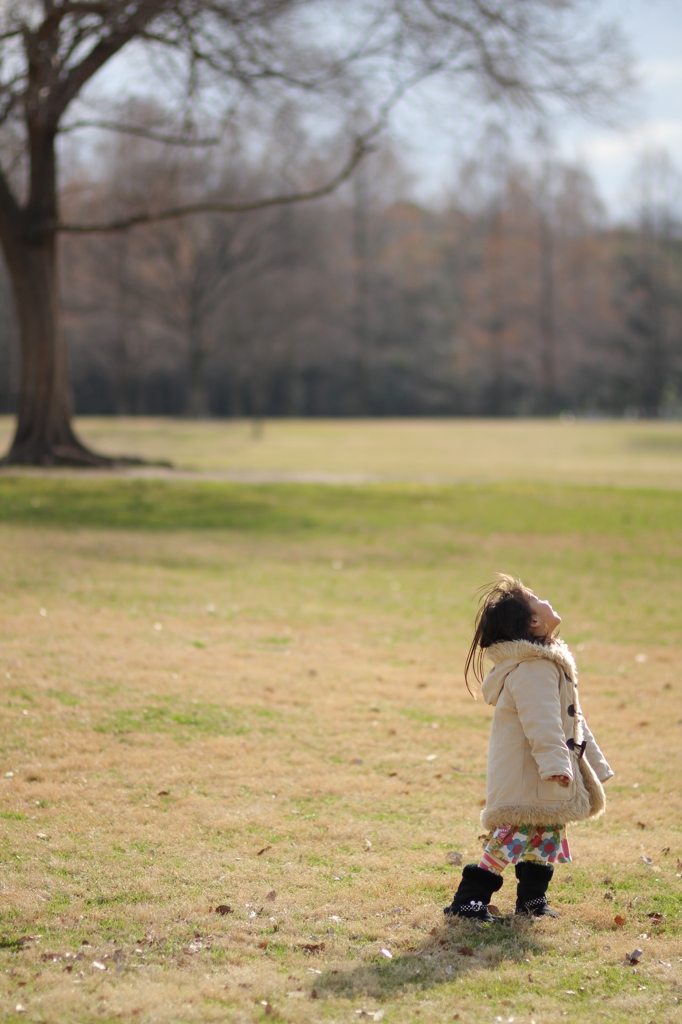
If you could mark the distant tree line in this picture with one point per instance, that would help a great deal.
(514, 296)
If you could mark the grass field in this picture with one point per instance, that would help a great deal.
(219, 694)
(626, 453)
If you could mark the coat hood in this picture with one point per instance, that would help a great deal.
(492, 685)
(507, 655)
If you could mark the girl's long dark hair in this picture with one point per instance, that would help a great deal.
(504, 613)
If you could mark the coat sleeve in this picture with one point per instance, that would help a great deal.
(594, 755)
(534, 686)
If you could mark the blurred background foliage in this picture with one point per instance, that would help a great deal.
(513, 294)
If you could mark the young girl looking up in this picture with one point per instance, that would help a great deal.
(544, 766)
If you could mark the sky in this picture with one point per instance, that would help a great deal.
(653, 120)
(653, 29)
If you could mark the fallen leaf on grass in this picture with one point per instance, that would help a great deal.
(492, 909)
(665, 851)
(608, 895)
(607, 881)
(656, 916)
(261, 852)
(313, 994)
(263, 945)
(465, 951)
(642, 825)
(163, 792)
(453, 857)
(271, 895)
(313, 947)
(634, 957)
(434, 931)
(224, 908)
(619, 920)
(647, 860)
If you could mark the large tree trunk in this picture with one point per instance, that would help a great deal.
(44, 435)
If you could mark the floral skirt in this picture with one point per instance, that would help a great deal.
(543, 844)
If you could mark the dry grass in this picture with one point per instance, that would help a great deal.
(627, 453)
(280, 721)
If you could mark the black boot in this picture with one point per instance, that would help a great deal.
(534, 880)
(474, 893)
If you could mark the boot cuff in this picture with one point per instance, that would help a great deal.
(480, 876)
(534, 874)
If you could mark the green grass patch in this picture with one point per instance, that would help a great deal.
(317, 509)
(183, 720)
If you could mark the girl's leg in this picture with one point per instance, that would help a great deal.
(474, 893)
(531, 891)
(492, 861)
(546, 845)
(480, 881)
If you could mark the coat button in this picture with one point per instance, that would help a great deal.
(571, 710)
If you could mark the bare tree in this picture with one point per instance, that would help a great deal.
(547, 310)
(523, 50)
(279, 334)
(652, 297)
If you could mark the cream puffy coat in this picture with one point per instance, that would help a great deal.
(538, 731)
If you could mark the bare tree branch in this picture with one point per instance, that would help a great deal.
(107, 46)
(143, 133)
(360, 149)
(362, 146)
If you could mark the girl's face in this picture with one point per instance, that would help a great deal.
(544, 619)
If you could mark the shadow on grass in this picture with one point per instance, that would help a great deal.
(450, 952)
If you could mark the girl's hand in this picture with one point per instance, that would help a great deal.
(563, 780)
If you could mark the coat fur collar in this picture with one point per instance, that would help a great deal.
(525, 650)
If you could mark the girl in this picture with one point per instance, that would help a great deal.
(544, 766)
